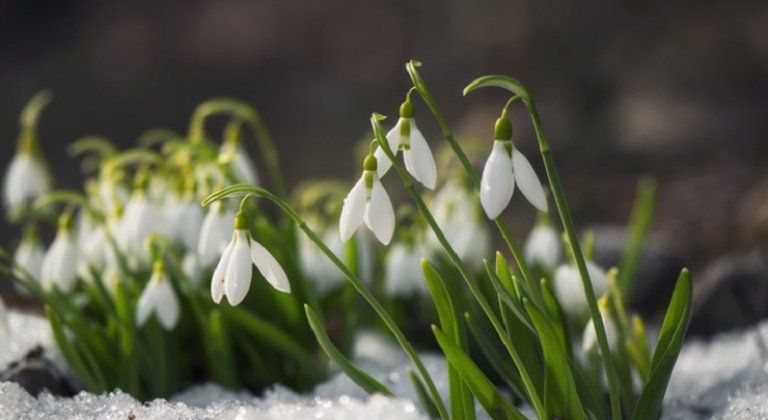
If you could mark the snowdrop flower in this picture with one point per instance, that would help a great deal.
(242, 165)
(215, 233)
(368, 202)
(25, 180)
(232, 277)
(589, 339)
(60, 262)
(505, 166)
(404, 276)
(185, 216)
(570, 290)
(141, 218)
(159, 298)
(316, 265)
(460, 218)
(417, 156)
(30, 254)
(190, 265)
(543, 246)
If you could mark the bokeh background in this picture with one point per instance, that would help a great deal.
(675, 89)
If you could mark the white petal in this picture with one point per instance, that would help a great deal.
(25, 179)
(379, 215)
(147, 303)
(215, 234)
(382, 161)
(237, 279)
(167, 305)
(403, 271)
(217, 281)
(269, 267)
(543, 246)
(528, 181)
(419, 160)
(497, 183)
(569, 288)
(352, 210)
(244, 167)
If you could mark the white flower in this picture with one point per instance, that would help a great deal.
(60, 263)
(159, 298)
(29, 256)
(543, 246)
(368, 202)
(232, 277)
(416, 153)
(506, 165)
(190, 265)
(141, 219)
(5, 326)
(316, 265)
(404, 276)
(25, 180)
(242, 165)
(459, 217)
(215, 233)
(185, 217)
(589, 339)
(570, 290)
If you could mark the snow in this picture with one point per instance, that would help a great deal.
(723, 378)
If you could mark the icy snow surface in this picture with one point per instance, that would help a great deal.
(722, 378)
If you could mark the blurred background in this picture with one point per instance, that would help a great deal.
(675, 89)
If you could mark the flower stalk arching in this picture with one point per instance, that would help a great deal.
(358, 285)
(565, 217)
(456, 260)
(418, 83)
(259, 130)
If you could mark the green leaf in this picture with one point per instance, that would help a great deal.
(510, 301)
(461, 402)
(556, 314)
(671, 338)
(71, 354)
(421, 392)
(639, 226)
(499, 361)
(560, 394)
(497, 406)
(366, 381)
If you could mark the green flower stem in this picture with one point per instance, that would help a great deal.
(565, 217)
(530, 282)
(27, 142)
(456, 260)
(240, 189)
(246, 113)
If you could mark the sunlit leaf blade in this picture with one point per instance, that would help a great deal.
(462, 405)
(671, 338)
(497, 406)
(366, 381)
(498, 360)
(70, 353)
(421, 392)
(560, 394)
(639, 226)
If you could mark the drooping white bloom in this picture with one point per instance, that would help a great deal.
(570, 290)
(543, 246)
(315, 264)
(460, 219)
(232, 277)
(142, 218)
(215, 233)
(185, 217)
(404, 275)
(192, 268)
(5, 326)
(368, 202)
(25, 180)
(29, 256)
(159, 298)
(505, 166)
(417, 156)
(60, 263)
(589, 339)
(242, 165)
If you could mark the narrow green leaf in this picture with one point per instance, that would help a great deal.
(495, 404)
(510, 301)
(421, 393)
(560, 394)
(639, 226)
(499, 361)
(461, 403)
(557, 315)
(366, 381)
(70, 353)
(670, 342)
